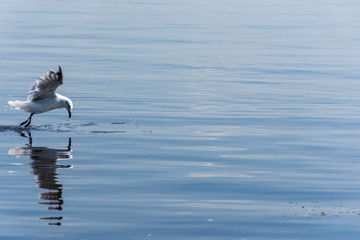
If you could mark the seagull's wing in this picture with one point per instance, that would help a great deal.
(46, 86)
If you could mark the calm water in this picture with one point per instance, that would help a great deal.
(192, 120)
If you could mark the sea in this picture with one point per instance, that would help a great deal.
(192, 120)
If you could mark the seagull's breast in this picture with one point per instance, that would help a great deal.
(44, 105)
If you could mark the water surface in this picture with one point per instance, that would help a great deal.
(192, 120)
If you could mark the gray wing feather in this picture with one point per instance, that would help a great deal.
(46, 86)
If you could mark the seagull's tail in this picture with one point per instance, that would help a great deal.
(17, 104)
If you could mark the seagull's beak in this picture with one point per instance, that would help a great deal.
(69, 114)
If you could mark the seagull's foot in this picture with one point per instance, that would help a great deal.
(24, 122)
(28, 124)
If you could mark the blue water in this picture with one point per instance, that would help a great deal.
(192, 120)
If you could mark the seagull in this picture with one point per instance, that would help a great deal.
(43, 98)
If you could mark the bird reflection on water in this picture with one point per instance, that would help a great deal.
(44, 165)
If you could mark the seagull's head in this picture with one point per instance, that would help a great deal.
(67, 103)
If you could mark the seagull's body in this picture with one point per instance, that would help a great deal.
(43, 98)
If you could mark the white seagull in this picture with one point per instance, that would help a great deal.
(43, 98)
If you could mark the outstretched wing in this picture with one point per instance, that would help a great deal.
(46, 86)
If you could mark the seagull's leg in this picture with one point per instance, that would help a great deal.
(24, 122)
(28, 121)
